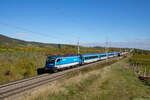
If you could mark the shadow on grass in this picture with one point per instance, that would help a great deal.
(41, 71)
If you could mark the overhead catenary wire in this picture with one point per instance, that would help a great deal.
(59, 37)
(43, 34)
(40, 33)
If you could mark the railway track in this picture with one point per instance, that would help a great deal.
(15, 87)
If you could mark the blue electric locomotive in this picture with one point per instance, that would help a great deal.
(55, 63)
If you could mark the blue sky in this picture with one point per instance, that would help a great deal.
(122, 22)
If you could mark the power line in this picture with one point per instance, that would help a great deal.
(39, 33)
(58, 38)
(45, 35)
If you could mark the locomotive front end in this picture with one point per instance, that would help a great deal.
(50, 63)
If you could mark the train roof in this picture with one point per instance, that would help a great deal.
(57, 56)
(94, 54)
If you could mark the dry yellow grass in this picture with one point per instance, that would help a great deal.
(60, 86)
(115, 82)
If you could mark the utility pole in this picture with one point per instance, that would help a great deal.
(120, 49)
(106, 49)
(78, 48)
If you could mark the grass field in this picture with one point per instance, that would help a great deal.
(115, 82)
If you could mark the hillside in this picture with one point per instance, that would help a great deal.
(7, 41)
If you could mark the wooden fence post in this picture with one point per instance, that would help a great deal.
(144, 71)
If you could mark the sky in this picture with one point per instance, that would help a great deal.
(123, 23)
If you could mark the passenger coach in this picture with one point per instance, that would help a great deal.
(88, 58)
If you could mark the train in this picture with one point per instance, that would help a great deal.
(60, 62)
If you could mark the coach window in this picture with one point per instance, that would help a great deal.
(58, 60)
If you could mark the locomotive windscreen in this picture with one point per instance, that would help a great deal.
(50, 60)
